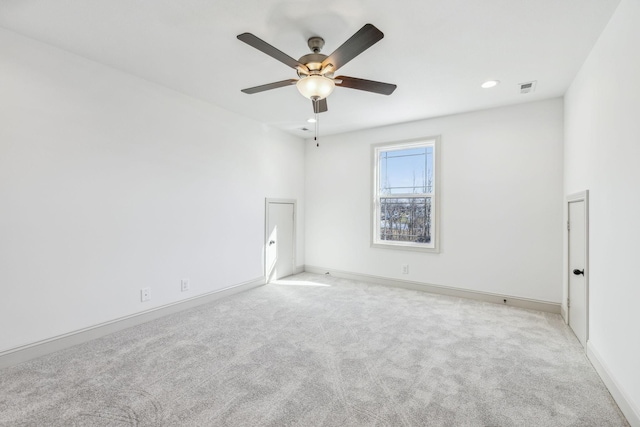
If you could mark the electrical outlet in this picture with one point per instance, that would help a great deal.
(405, 268)
(145, 294)
(184, 285)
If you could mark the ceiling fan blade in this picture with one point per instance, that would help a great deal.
(366, 85)
(320, 106)
(265, 47)
(269, 86)
(366, 37)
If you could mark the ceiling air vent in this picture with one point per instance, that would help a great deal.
(528, 87)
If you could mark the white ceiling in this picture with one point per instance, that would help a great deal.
(438, 52)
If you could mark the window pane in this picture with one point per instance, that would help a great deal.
(408, 171)
(405, 220)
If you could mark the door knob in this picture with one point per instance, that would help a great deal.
(578, 272)
(271, 242)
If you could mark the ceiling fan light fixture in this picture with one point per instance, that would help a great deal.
(315, 86)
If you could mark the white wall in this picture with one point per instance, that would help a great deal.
(501, 202)
(602, 152)
(109, 183)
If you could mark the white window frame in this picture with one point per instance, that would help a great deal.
(376, 242)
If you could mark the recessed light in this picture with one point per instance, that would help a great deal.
(311, 120)
(490, 83)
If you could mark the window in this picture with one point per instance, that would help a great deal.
(405, 195)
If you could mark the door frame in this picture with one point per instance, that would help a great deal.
(582, 196)
(268, 201)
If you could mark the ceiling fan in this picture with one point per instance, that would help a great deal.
(316, 71)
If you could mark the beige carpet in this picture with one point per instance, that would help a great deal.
(314, 350)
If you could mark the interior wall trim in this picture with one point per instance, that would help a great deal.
(626, 405)
(531, 304)
(40, 348)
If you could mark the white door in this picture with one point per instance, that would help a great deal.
(578, 292)
(279, 245)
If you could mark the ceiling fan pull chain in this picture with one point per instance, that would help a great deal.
(317, 124)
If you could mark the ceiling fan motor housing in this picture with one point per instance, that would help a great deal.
(313, 61)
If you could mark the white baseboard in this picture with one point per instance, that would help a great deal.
(31, 351)
(530, 304)
(299, 269)
(563, 313)
(630, 411)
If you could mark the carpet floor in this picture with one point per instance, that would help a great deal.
(315, 350)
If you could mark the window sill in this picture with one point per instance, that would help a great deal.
(405, 247)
